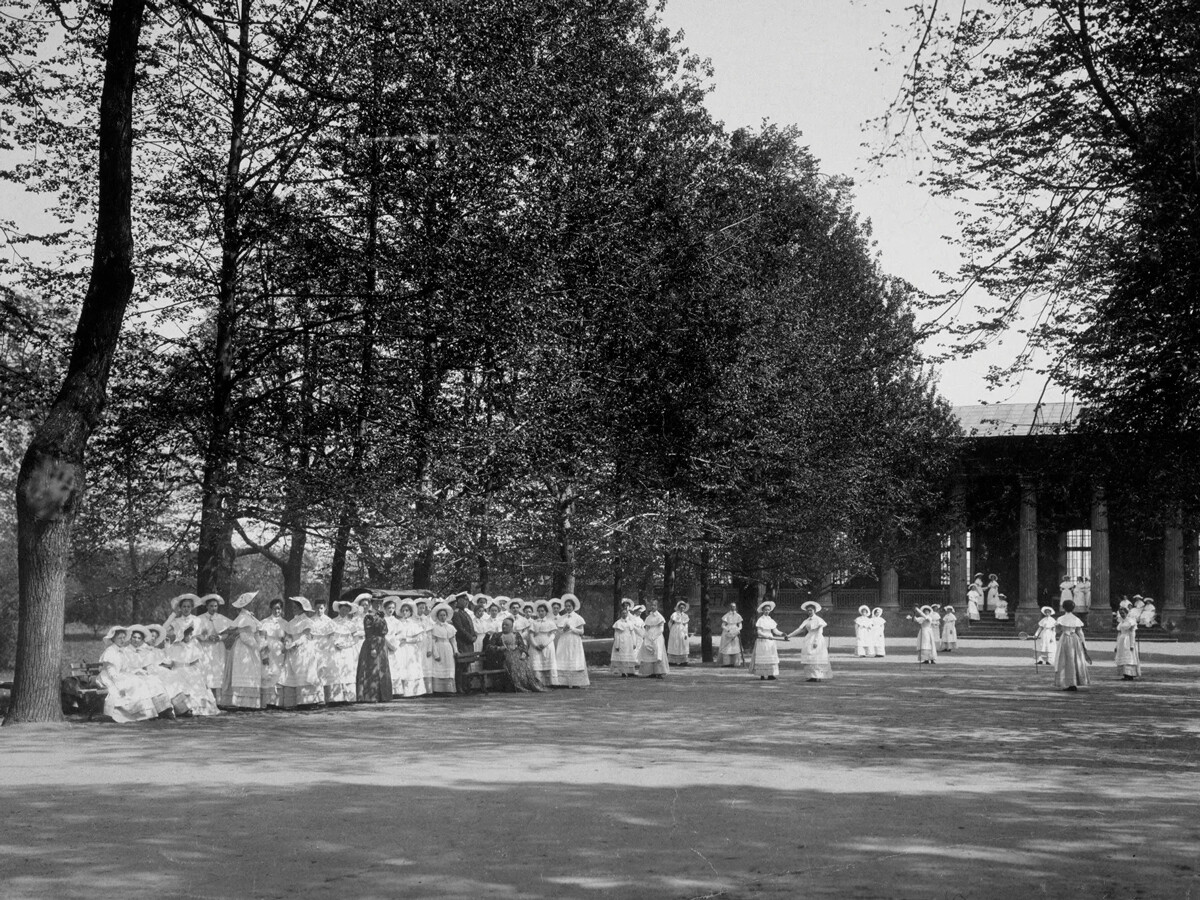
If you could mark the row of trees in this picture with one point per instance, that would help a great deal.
(464, 295)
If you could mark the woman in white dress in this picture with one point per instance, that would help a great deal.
(679, 640)
(271, 633)
(441, 653)
(1001, 608)
(864, 639)
(1129, 663)
(1146, 618)
(323, 638)
(877, 626)
(814, 650)
(210, 635)
(1071, 667)
(182, 613)
(301, 684)
(156, 664)
(243, 682)
(393, 641)
(652, 654)
(189, 670)
(542, 655)
(132, 697)
(425, 648)
(949, 629)
(408, 675)
(568, 648)
(1044, 643)
(639, 625)
(523, 624)
(991, 592)
(729, 652)
(764, 661)
(974, 602)
(624, 647)
(926, 640)
(1066, 590)
(343, 672)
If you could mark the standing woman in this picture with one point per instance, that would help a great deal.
(652, 654)
(993, 591)
(425, 647)
(343, 673)
(864, 643)
(926, 641)
(729, 652)
(323, 640)
(271, 633)
(301, 684)
(878, 623)
(679, 642)
(1129, 663)
(182, 609)
(974, 601)
(949, 629)
(568, 646)
(408, 676)
(1071, 668)
(210, 635)
(243, 682)
(442, 653)
(624, 647)
(542, 655)
(373, 677)
(764, 661)
(1044, 644)
(814, 652)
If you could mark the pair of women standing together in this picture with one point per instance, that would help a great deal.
(814, 649)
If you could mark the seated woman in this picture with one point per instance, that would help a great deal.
(192, 677)
(506, 650)
(131, 697)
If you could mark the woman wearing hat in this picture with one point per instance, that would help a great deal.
(373, 673)
(182, 608)
(392, 620)
(878, 644)
(506, 649)
(542, 655)
(154, 665)
(210, 636)
(568, 646)
(243, 684)
(1044, 644)
(926, 642)
(323, 639)
(679, 641)
(189, 670)
(271, 633)
(408, 676)
(949, 629)
(342, 686)
(425, 647)
(864, 639)
(764, 660)
(814, 651)
(442, 652)
(301, 684)
(652, 654)
(164, 666)
(624, 647)
(1071, 667)
(974, 602)
(131, 697)
(729, 651)
(1129, 663)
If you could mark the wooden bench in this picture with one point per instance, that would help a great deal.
(81, 690)
(478, 682)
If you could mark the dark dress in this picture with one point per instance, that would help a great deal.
(507, 652)
(374, 679)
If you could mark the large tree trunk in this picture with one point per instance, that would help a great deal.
(215, 555)
(563, 581)
(50, 484)
(668, 583)
(706, 641)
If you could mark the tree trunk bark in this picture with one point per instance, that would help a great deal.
(564, 570)
(616, 589)
(706, 641)
(668, 583)
(50, 483)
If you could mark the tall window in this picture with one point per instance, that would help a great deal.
(945, 563)
(1079, 553)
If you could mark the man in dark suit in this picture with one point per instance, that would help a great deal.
(464, 634)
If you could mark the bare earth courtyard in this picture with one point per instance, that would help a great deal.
(970, 778)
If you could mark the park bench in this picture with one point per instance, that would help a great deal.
(478, 682)
(81, 690)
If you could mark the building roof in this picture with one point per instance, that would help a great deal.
(1016, 419)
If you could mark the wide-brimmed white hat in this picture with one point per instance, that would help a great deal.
(811, 606)
(684, 604)
(569, 596)
(554, 600)
(625, 601)
(639, 608)
(542, 604)
(138, 629)
(765, 606)
(407, 604)
(175, 601)
(156, 628)
(304, 603)
(948, 608)
(244, 600)
(438, 607)
(877, 611)
(365, 595)
(341, 602)
(925, 609)
(1047, 611)
(864, 610)
(220, 600)
(112, 632)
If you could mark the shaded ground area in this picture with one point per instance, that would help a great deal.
(972, 778)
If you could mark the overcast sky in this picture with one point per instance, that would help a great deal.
(815, 64)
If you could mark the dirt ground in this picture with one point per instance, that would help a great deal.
(972, 778)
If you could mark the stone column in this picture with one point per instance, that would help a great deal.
(1101, 572)
(1173, 580)
(1027, 586)
(959, 576)
(889, 590)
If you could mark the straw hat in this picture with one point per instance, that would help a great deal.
(877, 611)
(766, 606)
(138, 629)
(407, 604)
(244, 600)
(625, 601)
(220, 600)
(112, 632)
(811, 606)
(683, 604)
(639, 608)
(365, 595)
(175, 601)
(442, 606)
(569, 596)
(349, 603)
(949, 609)
(303, 602)
(925, 610)
(542, 604)
(864, 610)
(1046, 611)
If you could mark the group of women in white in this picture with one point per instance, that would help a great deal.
(374, 649)
(1059, 642)
(646, 643)
(868, 632)
(937, 629)
(814, 646)
(982, 598)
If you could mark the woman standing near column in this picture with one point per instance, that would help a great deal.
(1071, 668)
(949, 629)
(1129, 663)
(764, 661)
(877, 625)
(729, 653)
(926, 641)
(864, 642)
(814, 651)
(679, 643)
(1044, 644)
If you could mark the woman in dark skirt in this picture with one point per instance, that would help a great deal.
(374, 677)
(506, 650)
